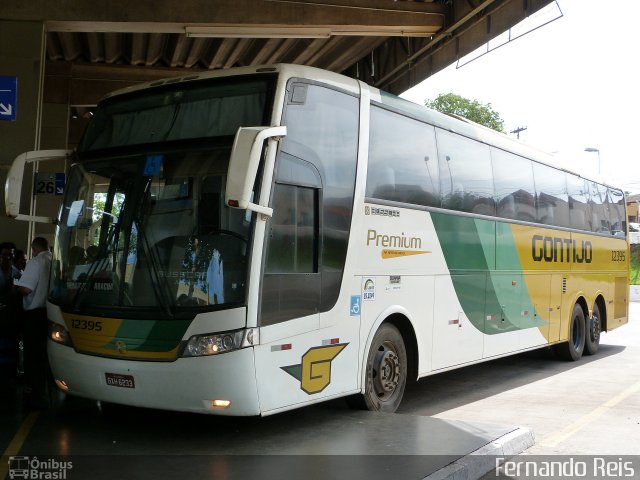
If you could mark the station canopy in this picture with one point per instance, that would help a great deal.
(390, 44)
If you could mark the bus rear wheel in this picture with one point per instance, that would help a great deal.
(572, 350)
(594, 327)
(386, 370)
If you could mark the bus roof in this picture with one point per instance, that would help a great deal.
(452, 123)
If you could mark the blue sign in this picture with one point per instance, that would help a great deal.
(49, 183)
(354, 311)
(152, 166)
(8, 98)
(60, 177)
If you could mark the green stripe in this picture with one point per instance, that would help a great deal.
(472, 255)
(150, 335)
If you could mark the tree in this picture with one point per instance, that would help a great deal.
(470, 109)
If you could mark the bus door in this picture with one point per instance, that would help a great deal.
(301, 357)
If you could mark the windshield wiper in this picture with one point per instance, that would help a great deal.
(159, 283)
(102, 259)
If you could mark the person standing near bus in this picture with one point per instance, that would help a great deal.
(33, 285)
(9, 331)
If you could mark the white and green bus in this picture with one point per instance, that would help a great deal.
(253, 240)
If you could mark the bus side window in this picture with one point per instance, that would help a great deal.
(291, 286)
(403, 164)
(599, 213)
(514, 188)
(552, 200)
(466, 177)
(579, 208)
(293, 232)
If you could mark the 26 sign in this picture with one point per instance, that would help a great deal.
(49, 184)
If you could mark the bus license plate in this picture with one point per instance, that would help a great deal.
(119, 380)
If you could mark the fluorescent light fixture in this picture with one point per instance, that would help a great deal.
(283, 31)
(243, 31)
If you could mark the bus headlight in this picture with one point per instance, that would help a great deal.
(213, 344)
(59, 334)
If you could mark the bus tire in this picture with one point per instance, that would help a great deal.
(594, 328)
(572, 350)
(386, 370)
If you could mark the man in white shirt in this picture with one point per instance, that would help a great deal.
(33, 285)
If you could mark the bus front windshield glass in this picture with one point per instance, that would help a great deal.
(150, 231)
(143, 225)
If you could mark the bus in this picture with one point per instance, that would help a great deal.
(257, 239)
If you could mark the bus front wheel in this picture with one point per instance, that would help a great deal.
(572, 350)
(594, 327)
(386, 370)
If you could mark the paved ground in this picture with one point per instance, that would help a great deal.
(590, 407)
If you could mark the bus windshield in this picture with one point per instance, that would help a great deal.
(176, 112)
(143, 225)
(150, 231)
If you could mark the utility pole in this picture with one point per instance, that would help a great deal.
(517, 131)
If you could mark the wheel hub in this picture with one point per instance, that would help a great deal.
(388, 374)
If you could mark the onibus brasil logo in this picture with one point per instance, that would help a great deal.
(314, 373)
(34, 468)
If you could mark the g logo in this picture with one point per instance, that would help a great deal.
(314, 373)
(121, 347)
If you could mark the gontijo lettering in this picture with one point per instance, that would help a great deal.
(557, 249)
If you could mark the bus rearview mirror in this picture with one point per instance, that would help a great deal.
(244, 163)
(13, 184)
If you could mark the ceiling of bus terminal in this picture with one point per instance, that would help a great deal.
(391, 44)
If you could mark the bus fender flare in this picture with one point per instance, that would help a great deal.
(380, 319)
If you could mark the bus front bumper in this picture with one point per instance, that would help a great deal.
(195, 384)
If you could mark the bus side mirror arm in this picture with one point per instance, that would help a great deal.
(244, 163)
(13, 184)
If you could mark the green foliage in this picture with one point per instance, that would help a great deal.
(635, 265)
(470, 109)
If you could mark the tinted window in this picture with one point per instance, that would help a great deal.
(552, 202)
(403, 164)
(466, 180)
(179, 111)
(317, 161)
(293, 231)
(514, 188)
(599, 211)
(579, 208)
(322, 129)
(615, 204)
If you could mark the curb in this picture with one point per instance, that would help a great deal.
(479, 462)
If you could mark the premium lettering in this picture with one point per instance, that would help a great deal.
(392, 241)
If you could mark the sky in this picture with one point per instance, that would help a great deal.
(573, 83)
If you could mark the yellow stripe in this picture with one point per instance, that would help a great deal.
(574, 427)
(401, 253)
(18, 440)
